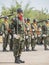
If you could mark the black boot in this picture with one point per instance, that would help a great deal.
(21, 60)
(27, 49)
(11, 49)
(32, 48)
(17, 60)
(4, 50)
(46, 49)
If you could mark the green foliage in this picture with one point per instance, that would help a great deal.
(28, 11)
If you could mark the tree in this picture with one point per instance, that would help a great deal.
(28, 11)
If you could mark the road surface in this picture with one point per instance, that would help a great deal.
(39, 57)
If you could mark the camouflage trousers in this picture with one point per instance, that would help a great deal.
(44, 42)
(48, 41)
(33, 42)
(39, 39)
(5, 40)
(11, 41)
(27, 42)
(17, 46)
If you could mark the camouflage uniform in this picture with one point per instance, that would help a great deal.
(44, 38)
(12, 31)
(33, 43)
(5, 27)
(47, 25)
(18, 40)
(39, 33)
(27, 35)
(33, 34)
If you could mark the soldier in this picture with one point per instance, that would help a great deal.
(44, 36)
(19, 29)
(12, 31)
(27, 34)
(35, 24)
(33, 34)
(47, 25)
(25, 20)
(39, 33)
(5, 29)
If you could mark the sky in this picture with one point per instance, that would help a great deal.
(37, 4)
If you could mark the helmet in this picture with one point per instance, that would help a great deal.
(28, 19)
(19, 10)
(5, 17)
(34, 20)
(47, 21)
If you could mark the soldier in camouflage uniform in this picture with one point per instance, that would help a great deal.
(33, 34)
(5, 29)
(27, 34)
(25, 20)
(39, 33)
(18, 40)
(47, 25)
(35, 25)
(12, 31)
(44, 36)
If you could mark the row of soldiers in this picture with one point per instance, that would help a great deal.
(36, 34)
(20, 33)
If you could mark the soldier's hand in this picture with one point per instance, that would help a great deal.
(9, 30)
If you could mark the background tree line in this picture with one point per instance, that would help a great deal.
(29, 12)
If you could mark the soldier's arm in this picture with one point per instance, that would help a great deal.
(2, 26)
(11, 27)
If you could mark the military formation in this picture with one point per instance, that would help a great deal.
(21, 34)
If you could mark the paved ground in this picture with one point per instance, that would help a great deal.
(39, 57)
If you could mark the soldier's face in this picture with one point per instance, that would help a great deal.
(35, 22)
(46, 22)
(5, 20)
(28, 21)
(20, 14)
